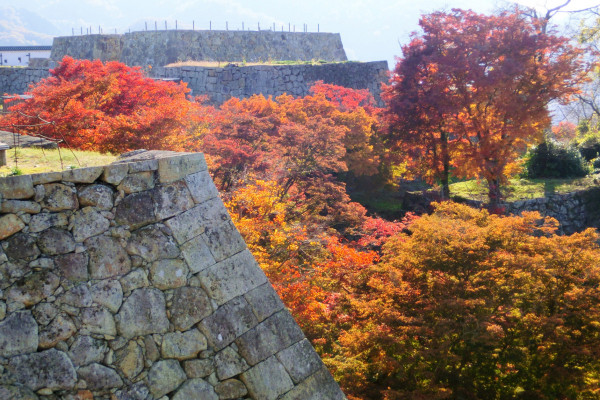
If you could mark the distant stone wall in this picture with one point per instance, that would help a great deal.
(221, 84)
(159, 48)
(17, 80)
(130, 282)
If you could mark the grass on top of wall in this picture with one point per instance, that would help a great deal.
(33, 160)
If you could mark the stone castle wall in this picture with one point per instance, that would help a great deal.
(219, 84)
(130, 281)
(159, 48)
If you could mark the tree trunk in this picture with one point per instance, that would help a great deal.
(494, 194)
(446, 166)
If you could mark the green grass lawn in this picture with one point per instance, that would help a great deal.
(523, 189)
(33, 160)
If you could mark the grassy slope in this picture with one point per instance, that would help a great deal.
(32, 160)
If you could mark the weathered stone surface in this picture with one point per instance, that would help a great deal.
(21, 247)
(164, 377)
(16, 187)
(130, 360)
(11, 271)
(78, 296)
(232, 277)
(9, 225)
(9, 392)
(196, 389)
(73, 266)
(43, 221)
(33, 288)
(168, 274)
(172, 199)
(59, 197)
(49, 369)
(59, 330)
(152, 352)
(300, 360)
(115, 173)
(152, 244)
(137, 391)
(190, 305)
(194, 222)
(108, 293)
(85, 350)
(82, 175)
(267, 380)
(229, 363)
(197, 254)
(143, 165)
(229, 322)
(201, 186)
(269, 337)
(175, 168)
(18, 334)
(183, 345)
(98, 320)
(16, 206)
(135, 210)
(98, 196)
(223, 241)
(198, 368)
(46, 177)
(42, 263)
(143, 313)
(107, 257)
(264, 301)
(319, 386)
(134, 280)
(99, 377)
(44, 313)
(55, 241)
(137, 182)
(231, 389)
(88, 222)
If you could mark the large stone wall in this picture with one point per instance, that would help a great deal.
(130, 282)
(17, 80)
(221, 84)
(159, 48)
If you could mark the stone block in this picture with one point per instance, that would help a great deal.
(201, 186)
(171, 199)
(9, 225)
(269, 337)
(18, 334)
(165, 376)
(130, 360)
(97, 320)
(229, 363)
(60, 329)
(183, 345)
(108, 293)
(143, 313)
(229, 322)
(264, 301)
(79, 296)
(86, 349)
(196, 389)
(143, 165)
(46, 177)
(43, 221)
(189, 306)
(59, 197)
(99, 377)
(232, 277)
(152, 243)
(319, 386)
(178, 167)
(136, 210)
(231, 389)
(107, 258)
(115, 173)
(197, 254)
(33, 288)
(223, 241)
(137, 182)
(50, 369)
(44, 313)
(55, 241)
(199, 368)
(88, 222)
(267, 380)
(134, 280)
(168, 274)
(300, 360)
(194, 222)
(73, 266)
(23, 206)
(98, 196)
(16, 187)
(82, 175)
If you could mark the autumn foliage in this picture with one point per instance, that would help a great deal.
(107, 107)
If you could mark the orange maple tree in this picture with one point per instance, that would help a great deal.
(107, 107)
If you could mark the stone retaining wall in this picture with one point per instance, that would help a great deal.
(130, 282)
(17, 80)
(158, 48)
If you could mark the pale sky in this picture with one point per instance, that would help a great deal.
(371, 30)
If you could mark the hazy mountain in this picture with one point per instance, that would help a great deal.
(22, 27)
